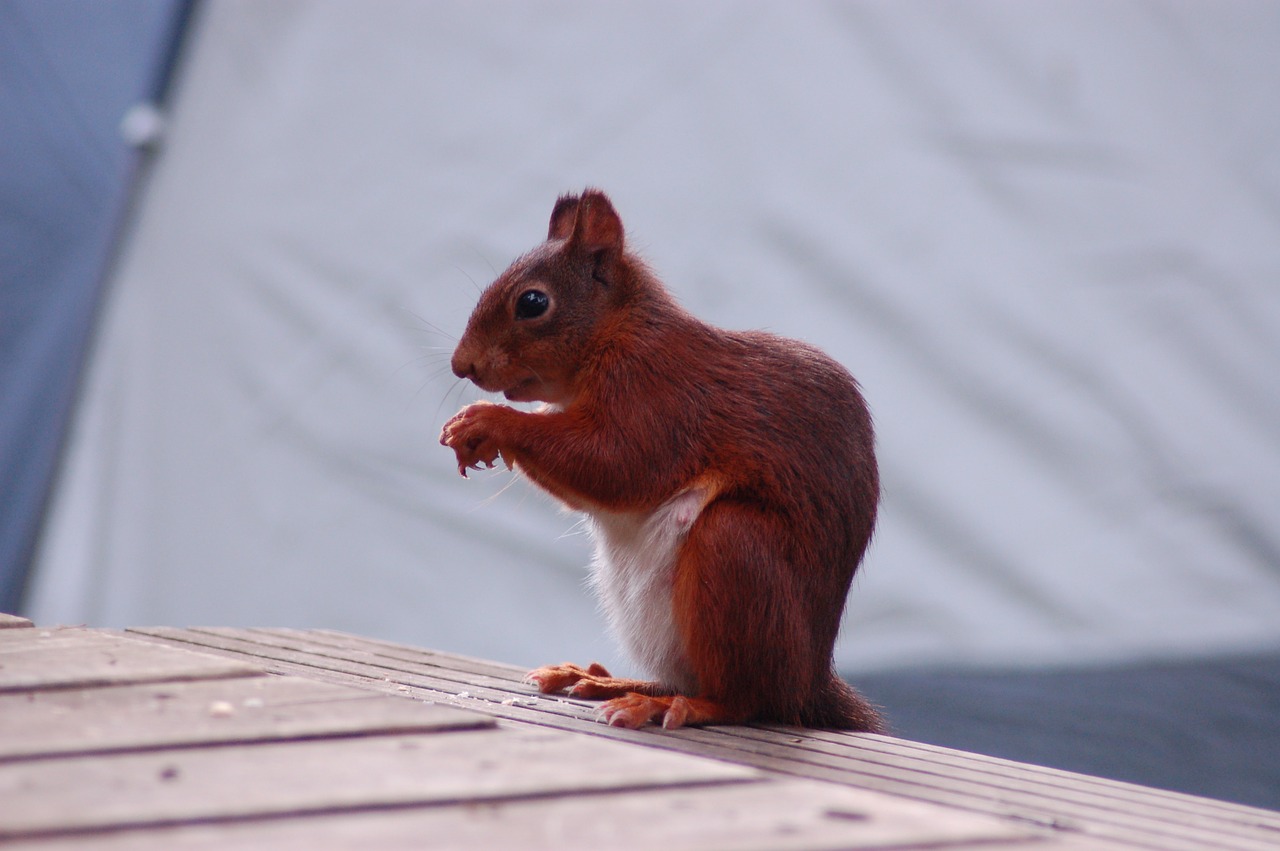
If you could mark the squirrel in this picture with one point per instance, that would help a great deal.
(729, 477)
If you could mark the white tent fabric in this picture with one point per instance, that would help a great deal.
(1045, 237)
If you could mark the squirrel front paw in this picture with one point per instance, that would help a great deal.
(470, 434)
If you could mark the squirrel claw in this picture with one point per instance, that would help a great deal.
(631, 710)
(471, 435)
(636, 710)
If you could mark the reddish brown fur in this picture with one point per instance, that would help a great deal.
(649, 400)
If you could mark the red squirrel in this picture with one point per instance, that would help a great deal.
(730, 479)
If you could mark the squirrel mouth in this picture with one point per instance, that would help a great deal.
(519, 392)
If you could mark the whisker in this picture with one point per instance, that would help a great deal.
(486, 260)
(576, 530)
(536, 375)
(435, 359)
(502, 490)
(465, 274)
(457, 390)
(430, 326)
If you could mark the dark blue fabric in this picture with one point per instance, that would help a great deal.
(1207, 727)
(69, 71)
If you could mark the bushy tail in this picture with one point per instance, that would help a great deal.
(838, 706)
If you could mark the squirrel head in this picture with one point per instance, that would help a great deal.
(534, 325)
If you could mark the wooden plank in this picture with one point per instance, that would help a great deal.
(278, 656)
(1061, 806)
(896, 775)
(14, 622)
(925, 758)
(403, 652)
(466, 672)
(157, 715)
(70, 794)
(1119, 795)
(576, 715)
(779, 816)
(517, 702)
(76, 657)
(1065, 787)
(1110, 794)
(1178, 821)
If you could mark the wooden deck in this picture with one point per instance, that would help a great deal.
(272, 738)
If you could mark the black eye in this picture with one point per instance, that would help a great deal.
(532, 304)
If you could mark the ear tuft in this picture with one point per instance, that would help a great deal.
(563, 216)
(597, 229)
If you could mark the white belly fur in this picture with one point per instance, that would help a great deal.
(633, 576)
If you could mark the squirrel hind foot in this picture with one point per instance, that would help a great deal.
(634, 711)
(672, 711)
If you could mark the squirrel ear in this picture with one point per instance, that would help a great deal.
(597, 230)
(563, 215)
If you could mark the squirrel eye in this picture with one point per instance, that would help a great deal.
(532, 304)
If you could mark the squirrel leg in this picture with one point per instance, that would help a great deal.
(594, 681)
(745, 619)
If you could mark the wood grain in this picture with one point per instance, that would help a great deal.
(160, 715)
(53, 796)
(1062, 803)
(790, 815)
(75, 657)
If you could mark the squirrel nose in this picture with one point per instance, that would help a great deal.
(464, 368)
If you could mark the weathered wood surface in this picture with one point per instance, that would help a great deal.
(221, 711)
(42, 659)
(760, 816)
(139, 742)
(79, 793)
(1051, 804)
